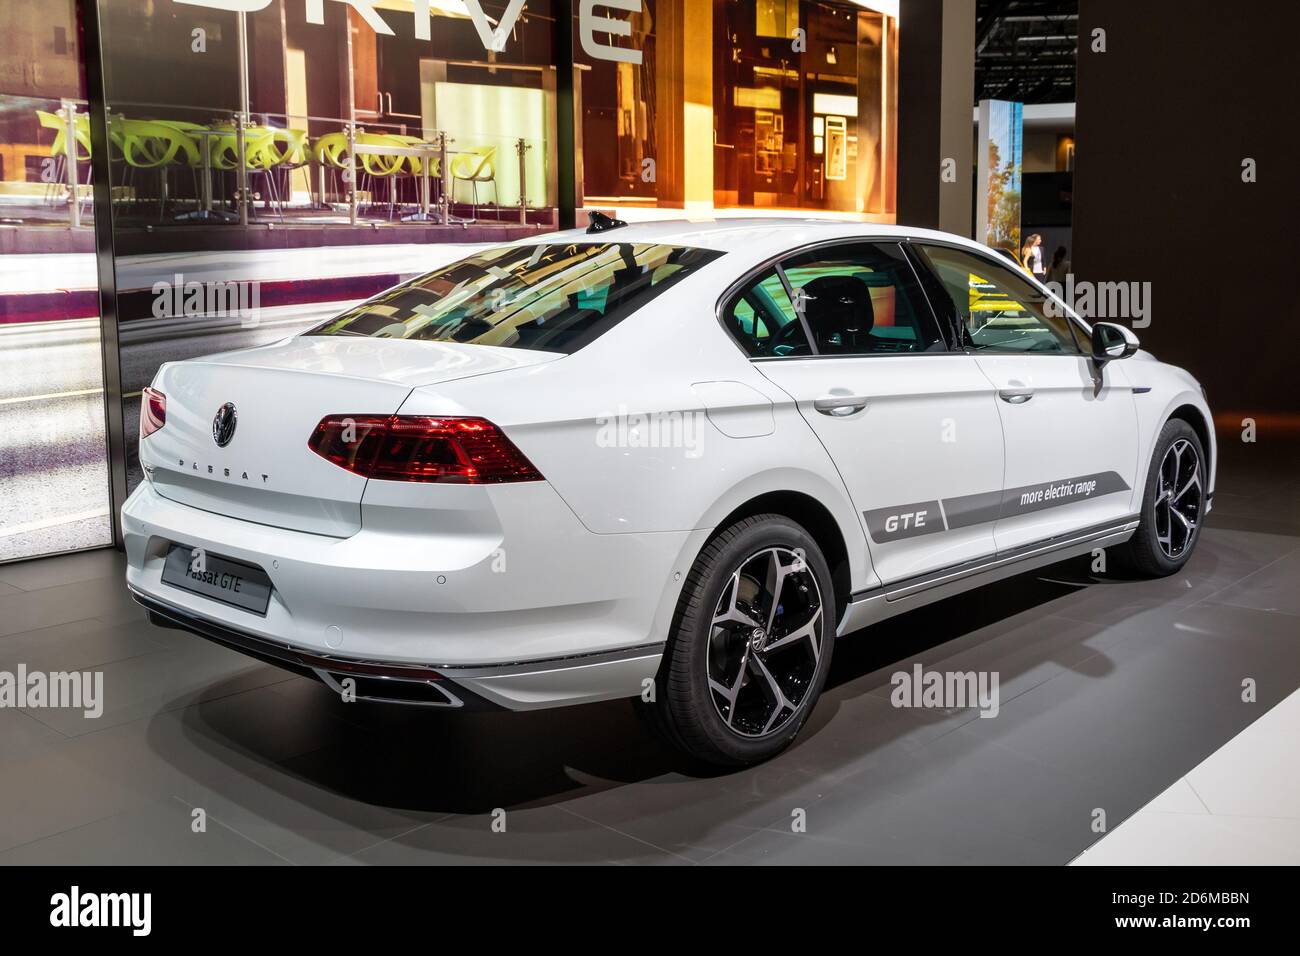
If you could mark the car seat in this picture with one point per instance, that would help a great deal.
(839, 313)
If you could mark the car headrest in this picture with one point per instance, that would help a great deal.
(838, 310)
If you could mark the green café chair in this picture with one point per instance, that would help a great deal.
(193, 152)
(147, 144)
(474, 167)
(153, 145)
(330, 152)
(382, 168)
(60, 147)
(61, 152)
(224, 149)
(413, 166)
(288, 148)
(280, 151)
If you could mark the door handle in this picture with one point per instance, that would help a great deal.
(840, 406)
(1015, 396)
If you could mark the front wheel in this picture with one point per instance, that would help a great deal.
(751, 643)
(1173, 505)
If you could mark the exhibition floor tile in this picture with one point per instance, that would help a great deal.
(1241, 805)
(1115, 697)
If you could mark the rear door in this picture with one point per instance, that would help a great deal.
(908, 423)
(1071, 432)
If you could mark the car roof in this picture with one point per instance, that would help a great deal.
(762, 236)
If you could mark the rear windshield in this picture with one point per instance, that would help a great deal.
(551, 298)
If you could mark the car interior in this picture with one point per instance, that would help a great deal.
(995, 309)
(848, 308)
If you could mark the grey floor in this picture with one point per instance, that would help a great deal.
(1110, 691)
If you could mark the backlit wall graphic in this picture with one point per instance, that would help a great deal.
(999, 157)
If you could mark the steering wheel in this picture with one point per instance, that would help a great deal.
(786, 333)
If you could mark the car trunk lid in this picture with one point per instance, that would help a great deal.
(265, 472)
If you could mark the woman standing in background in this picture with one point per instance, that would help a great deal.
(1032, 256)
(1027, 253)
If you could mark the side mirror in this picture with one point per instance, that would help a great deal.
(1111, 341)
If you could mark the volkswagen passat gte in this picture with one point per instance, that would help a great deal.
(672, 461)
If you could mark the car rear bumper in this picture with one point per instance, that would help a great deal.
(527, 685)
(549, 615)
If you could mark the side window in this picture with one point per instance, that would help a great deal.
(995, 309)
(762, 319)
(862, 299)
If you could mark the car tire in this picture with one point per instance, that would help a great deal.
(741, 671)
(1173, 504)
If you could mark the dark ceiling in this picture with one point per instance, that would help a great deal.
(1025, 50)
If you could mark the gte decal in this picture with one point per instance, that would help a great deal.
(904, 521)
(964, 511)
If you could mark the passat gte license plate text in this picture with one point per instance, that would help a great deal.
(231, 582)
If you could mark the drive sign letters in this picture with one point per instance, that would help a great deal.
(589, 23)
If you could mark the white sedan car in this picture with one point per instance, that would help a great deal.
(673, 461)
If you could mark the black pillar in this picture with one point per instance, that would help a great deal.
(1185, 93)
(101, 172)
(936, 92)
(566, 152)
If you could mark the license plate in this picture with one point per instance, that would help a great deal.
(240, 585)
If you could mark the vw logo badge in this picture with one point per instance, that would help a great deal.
(223, 425)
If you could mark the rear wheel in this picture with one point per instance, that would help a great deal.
(1173, 505)
(751, 643)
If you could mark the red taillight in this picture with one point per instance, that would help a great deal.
(153, 411)
(467, 451)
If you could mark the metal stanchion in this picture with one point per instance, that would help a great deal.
(350, 174)
(424, 186)
(242, 118)
(69, 112)
(521, 145)
(444, 201)
(241, 174)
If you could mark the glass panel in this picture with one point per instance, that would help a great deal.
(776, 18)
(862, 299)
(764, 322)
(275, 167)
(791, 107)
(343, 118)
(998, 310)
(549, 298)
(620, 114)
(54, 488)
(803, 99)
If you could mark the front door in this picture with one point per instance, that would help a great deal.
(909, 424)
(1071, 431)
